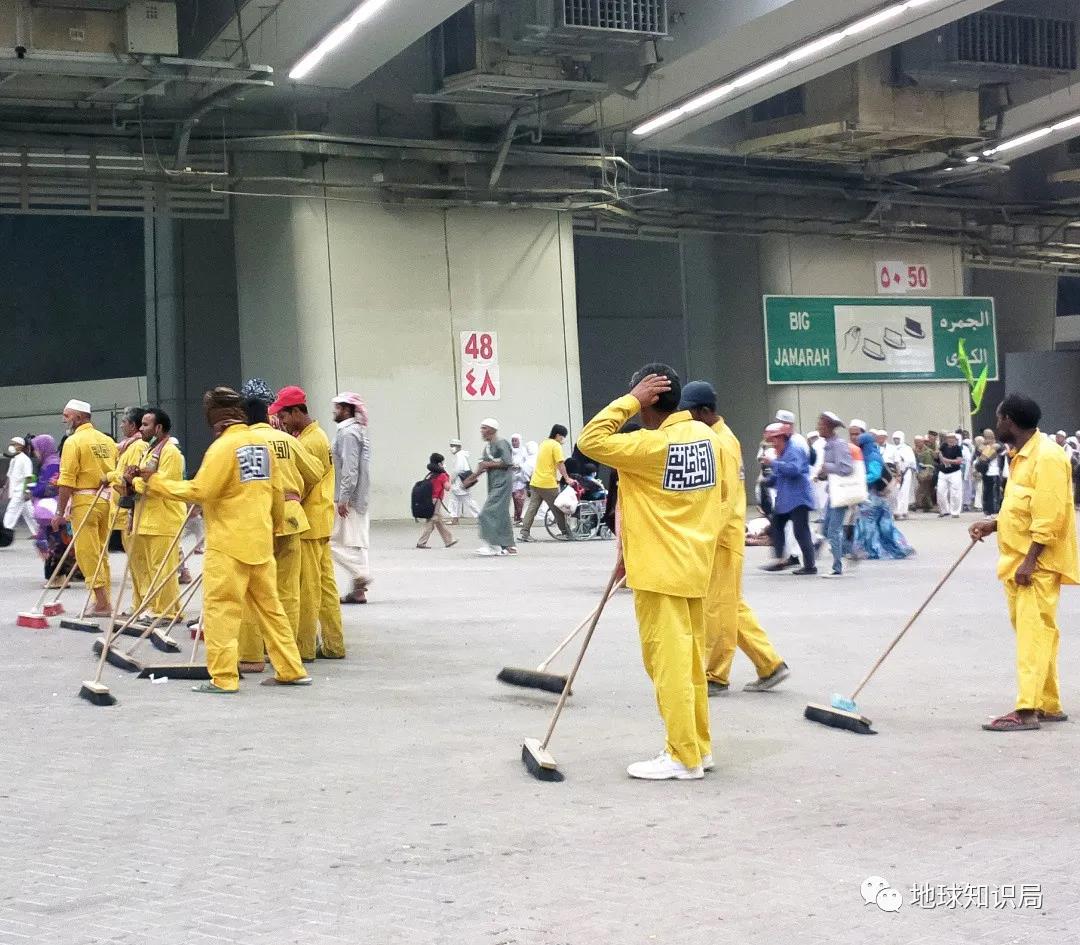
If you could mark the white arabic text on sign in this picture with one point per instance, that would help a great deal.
(480, 366)
(899, 278)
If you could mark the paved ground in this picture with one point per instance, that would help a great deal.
(388, 803)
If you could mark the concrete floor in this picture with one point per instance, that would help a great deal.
(388, 804)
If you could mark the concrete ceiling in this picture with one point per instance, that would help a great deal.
(742, 35)
(291, 28)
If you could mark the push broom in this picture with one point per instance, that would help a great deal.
(94, 690)
(843, 712)
(80, 622)
(539, 678)
(537, 759)
(188, 670)
(126, 660)
(161, 641)
(38, 618)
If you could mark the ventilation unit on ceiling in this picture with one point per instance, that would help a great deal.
(590, 22)
(988, 48)
(151, 27)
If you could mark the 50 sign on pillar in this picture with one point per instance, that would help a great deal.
(480, 366)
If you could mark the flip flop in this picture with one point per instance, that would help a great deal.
(1010, 722)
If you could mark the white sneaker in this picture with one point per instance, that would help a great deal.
(664, 768)
(486, 551)
(707, 763)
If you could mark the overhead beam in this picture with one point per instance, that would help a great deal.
(933, 17)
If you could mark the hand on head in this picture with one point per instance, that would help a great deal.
(650, 388)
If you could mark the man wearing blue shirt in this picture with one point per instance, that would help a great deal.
(794, 498)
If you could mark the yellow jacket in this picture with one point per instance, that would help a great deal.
(1038, 507)
(319, 500)
(672, 505)
(235, 487)
(88, 458)
(160, 515)
(733, 483)
(298, 471)
(131, 455)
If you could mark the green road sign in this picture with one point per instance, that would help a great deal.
(839, 340)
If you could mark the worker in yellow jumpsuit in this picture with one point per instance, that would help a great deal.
(160, 518)
(1036, 529)
(321, 633)
(88, 458)
(241, 507)
(130, 451)
(299, 473)
(729, 620)
(672, 516)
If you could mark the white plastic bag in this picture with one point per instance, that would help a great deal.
(846, 491)
(567, 502)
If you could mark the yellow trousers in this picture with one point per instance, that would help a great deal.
(287, 558)
(149, 552)
(231, 588)
(138, 581)
(1033, 611)
(93, 537)
(320, 606)
(730, 623)
(672, 633)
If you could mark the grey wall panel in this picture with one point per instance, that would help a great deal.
(72, 305)
(1053, 379)
(630, 311)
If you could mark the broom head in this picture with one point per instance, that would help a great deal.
(117, 659)
(53, 609)
(32, 621)
(532, 679)
(163, 642)
(539, 762)
(181, 671)
(86, 626)
(96, 693)
(839, 718)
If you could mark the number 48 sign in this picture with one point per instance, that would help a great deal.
(480, 366)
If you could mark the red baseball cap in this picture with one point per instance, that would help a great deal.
(288, 397)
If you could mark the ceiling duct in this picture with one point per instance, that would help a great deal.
(995, 46)
(507, 53)
(854, 116)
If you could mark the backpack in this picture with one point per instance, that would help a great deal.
(423, 499)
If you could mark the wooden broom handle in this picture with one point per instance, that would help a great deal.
(608, 591)
(581, 626)
(918, 613)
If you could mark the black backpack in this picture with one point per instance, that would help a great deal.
(423, 499)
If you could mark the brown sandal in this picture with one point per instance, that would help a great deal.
(1011, 722)
(1052, 716)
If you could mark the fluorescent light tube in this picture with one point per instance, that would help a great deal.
(759, 74)
(336, 37)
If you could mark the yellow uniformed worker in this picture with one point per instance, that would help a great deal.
(88, 458)
(729, 620)
(320, 606)
(241, 508)
(299, 473)
(1036, 529)
(130, 450)
(672, 516)
(160, 518)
